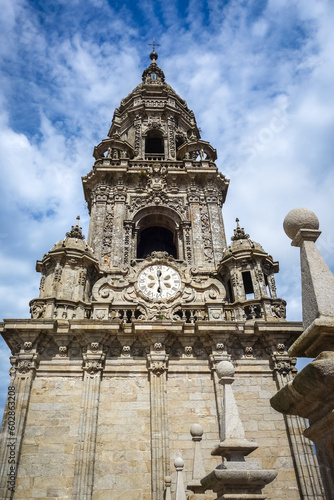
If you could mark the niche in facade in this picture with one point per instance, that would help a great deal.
(154, 143)
(155, 239)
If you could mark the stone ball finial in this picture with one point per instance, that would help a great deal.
(196, 430)
(299, 218)
(178, 463)
(225, 369)
(153, 56)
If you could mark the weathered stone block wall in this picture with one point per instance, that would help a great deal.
(47, 459)
(123, 457)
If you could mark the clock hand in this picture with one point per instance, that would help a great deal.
(159, 290)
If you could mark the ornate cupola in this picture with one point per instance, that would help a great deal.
(248, 274)
(69, 271)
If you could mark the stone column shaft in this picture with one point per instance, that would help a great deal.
(217, 231)
(85, 456)
(159, 426)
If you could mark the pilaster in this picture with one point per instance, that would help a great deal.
(22, 375)
(85, 457)
(157, 361)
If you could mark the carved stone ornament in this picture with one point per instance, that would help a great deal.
(37, 311)
(158, 346)
(219, 347)
(94, 346)
(92, 367)
(25, 366)
(285, 367)
(126, 351)
(188, 350)
(249, 353)
(158, 367)
(27, 346)
(63, 351)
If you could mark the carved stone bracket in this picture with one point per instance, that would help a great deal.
(93, 362)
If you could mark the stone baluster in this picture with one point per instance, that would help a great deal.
(180, 493)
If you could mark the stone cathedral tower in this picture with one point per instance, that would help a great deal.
(120, 355)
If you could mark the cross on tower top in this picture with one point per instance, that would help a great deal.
(154, 44)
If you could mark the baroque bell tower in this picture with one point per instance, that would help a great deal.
(120, 356)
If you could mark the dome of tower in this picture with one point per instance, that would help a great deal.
(74, 240)
(241, 243)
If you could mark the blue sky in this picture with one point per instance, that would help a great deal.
(258, 75)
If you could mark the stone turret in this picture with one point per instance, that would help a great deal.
(247, 272)
(69, 271)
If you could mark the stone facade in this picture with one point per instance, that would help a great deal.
(120, 356)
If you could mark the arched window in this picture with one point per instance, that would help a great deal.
(155, 239)
(154, 143)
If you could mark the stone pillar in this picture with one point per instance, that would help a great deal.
(217, 230)
(196, 432)
(98, 221)
(196, 229)
(85, 456)
(157, 366)
(22, 375)
(180, 493)
(117, 256)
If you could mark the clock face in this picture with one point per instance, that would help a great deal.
(159, 282)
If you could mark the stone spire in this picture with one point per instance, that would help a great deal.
(76, 231)
(239, 233)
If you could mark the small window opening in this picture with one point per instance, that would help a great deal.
(230, 291)
(155, 239)
(153, 76)
(154, 143)
(248, 285)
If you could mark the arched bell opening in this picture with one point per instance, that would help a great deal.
(154, 145)
(156, 239)
(157, 229)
